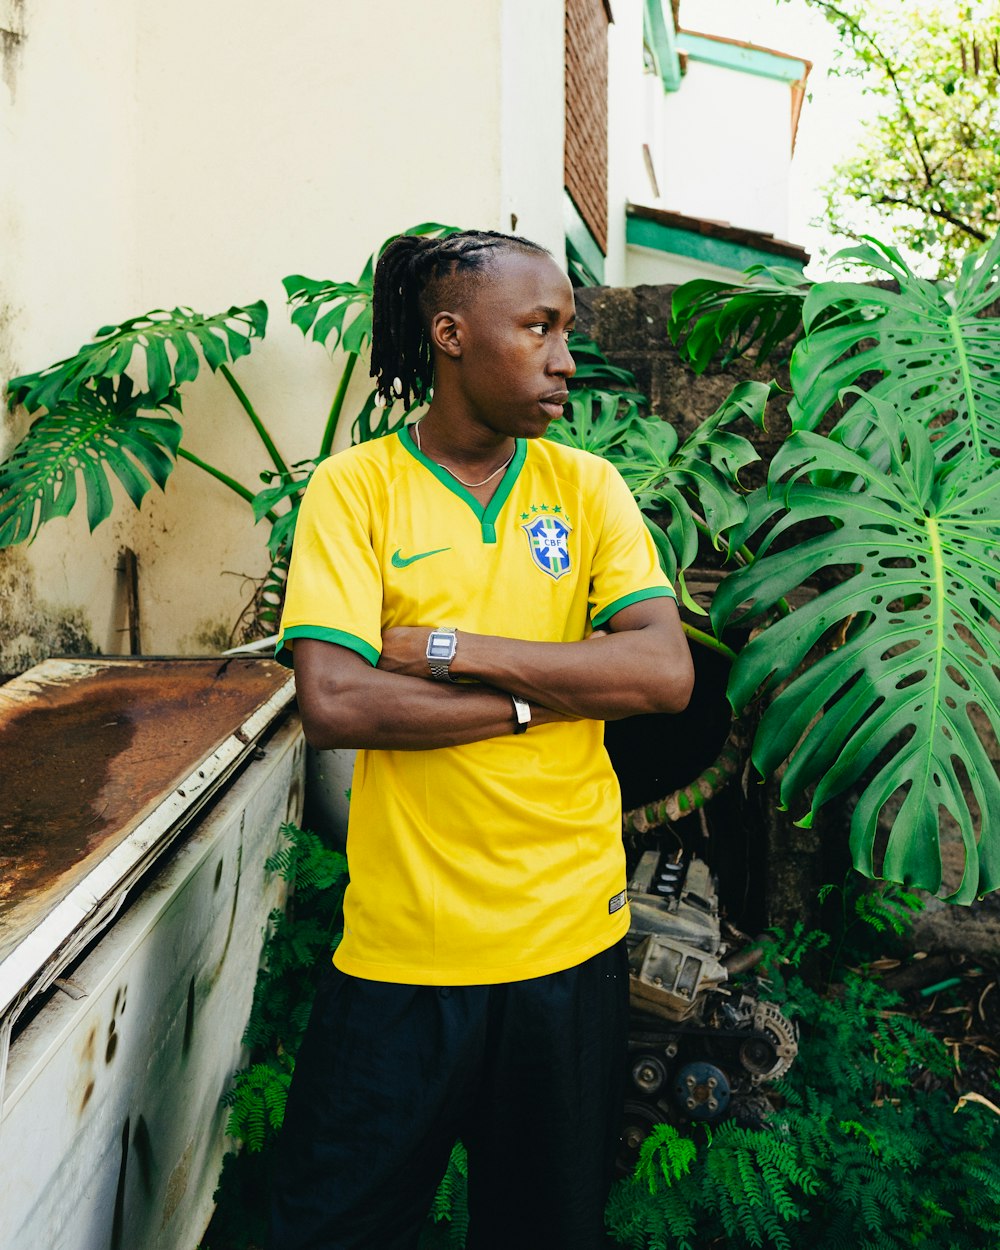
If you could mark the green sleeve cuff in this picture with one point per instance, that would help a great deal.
(637, 596)
(283, 652)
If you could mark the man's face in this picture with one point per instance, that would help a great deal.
(514, 360)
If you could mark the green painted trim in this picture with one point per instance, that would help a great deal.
(662, 41)
(626, 601)
(580, 243)
(579, 274)
(352, 642)
(486, 516)
(641, 232)
(503, 491)
(747, 60)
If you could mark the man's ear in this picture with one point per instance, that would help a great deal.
(446, 332)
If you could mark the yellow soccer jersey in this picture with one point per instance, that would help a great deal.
(498, 860)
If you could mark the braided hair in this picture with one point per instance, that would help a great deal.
(414, 276)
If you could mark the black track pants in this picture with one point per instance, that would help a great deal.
(529, 1074)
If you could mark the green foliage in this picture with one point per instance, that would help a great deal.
(110, 431)
(928, 163)
(708, 317)
(342, 311)
(94, 420)
(917, 614)
(665, 1156)
(449, 1215)
(885, 675)
(854, 1155)
(934, 350)
(257, 1104)
(299, 941)
(884, 909)
(164, 346)
(693, 486)
(595, 372)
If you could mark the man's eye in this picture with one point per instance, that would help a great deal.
(539, 328)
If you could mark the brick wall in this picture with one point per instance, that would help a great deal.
(586, 172)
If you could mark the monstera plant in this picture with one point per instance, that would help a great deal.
(884, 685)
(96, 422)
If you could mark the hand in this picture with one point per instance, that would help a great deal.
(404, 650)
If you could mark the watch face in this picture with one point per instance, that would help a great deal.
(440, 647)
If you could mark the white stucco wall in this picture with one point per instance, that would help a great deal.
(197, 153)
(627, 178)
(724, 148)
(645, 266)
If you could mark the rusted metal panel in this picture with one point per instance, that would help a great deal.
(112, 1135)
(102, 762)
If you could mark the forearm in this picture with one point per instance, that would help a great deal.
(390, 711)
(603, 678)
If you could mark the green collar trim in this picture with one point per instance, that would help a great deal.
(487, 517)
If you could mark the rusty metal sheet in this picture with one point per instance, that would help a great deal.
(89, 749)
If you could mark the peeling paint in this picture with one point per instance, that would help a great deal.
(30, 629)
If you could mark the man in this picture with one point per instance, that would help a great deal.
(467, 603)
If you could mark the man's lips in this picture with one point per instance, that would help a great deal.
(554, 402)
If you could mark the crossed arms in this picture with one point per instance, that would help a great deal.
(641, 663)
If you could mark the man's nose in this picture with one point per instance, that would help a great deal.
(562, 363)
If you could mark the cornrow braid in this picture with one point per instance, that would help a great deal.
(407, 273)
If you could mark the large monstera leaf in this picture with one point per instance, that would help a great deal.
(339, 314)
(104, 430)
(938, 357)
(708, 317)
(891, 710)
(168, 343)
(669, 477)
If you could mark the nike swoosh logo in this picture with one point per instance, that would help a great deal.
(401, 561)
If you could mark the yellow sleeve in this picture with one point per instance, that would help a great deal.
(625, 568)
(334, 588)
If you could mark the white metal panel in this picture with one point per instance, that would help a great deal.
(111, 1135)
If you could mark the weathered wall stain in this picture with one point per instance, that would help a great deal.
(12, 39)
(30, 629)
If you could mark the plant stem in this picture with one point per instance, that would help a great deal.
(224, 478)
(333, 420)
(258, 425)
(745, 555)
(706, 640)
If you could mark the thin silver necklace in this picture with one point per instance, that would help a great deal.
(470, 485)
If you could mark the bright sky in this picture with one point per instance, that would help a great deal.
(832, 115)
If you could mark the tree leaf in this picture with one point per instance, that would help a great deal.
(900, 695)
(102, 429)
(164, 340)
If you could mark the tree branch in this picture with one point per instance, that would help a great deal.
(934, 212)
(890, 70)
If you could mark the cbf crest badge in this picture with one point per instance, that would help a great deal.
(548, 538)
